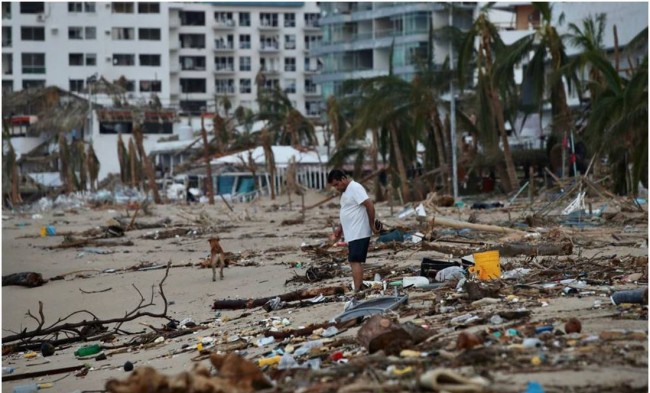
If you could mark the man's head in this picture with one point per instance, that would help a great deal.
(338, 179)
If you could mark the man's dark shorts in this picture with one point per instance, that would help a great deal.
(358, 250)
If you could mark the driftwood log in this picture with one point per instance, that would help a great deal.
(237, 304)
(505, 250)
(24, 279)
(447, 222)
(528, 249)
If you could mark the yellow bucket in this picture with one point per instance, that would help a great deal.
(486, 265)
(43, 231)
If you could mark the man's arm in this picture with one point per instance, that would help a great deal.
(370, 208)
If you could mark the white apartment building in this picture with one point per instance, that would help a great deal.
(189, 54)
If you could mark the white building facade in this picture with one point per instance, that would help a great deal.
(190, 55)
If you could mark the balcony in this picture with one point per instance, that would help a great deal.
(269, 47)
(267, 25)
(174, 22)
(174, 45)
(313, 69)
(220, 46)
(312, 91)
(224, 69)
(227, 24)
(225, 90)
(270, 70)
(312, 25)
(174, 69)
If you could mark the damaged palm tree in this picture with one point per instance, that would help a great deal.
(135, 167)
(65, 169)
(270, 159)
(10, 171)
(92, 163)
(123, 158)
(208, 168)
(146, 163)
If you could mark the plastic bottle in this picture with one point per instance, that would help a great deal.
(8, 370)
(31, 387)
(269, 361)
(88, 350)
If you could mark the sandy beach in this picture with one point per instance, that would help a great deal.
(609, 254)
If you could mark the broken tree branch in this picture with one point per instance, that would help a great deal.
(58, 326)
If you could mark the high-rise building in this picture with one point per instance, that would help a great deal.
(358, 37)
(189, 54)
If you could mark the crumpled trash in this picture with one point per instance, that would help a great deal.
(515, 273)
(450, 273)
(274, 304)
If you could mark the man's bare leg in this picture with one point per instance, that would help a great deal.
(357, 275)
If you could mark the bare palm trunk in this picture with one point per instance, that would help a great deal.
(511, 181)
(270, 159)
(374, 148)
(208, 168)
(64, 158)
(436, 124)
(400, 164)
(133, 164)
(146, 163)
(93, 167)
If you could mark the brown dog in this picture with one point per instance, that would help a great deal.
(216, 251)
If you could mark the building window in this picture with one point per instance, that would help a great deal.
(312, 41)
(245, 86)
(75, 7)
(120, 59)
(32, 33)
(244, 63)
(91, 33)
(149, 34)
(193, 106)
(123, 33)
(6, 12)
(244, 41)
(311, 20)
(76, 59)
(36, 84)
(148, 8)
(290, 86)
(224, 86)
(7, 86)
(157, 127)
(89, 7)
(150, 60)
(193, 85)
(122, 7)
(271, 84)
(244, 19)
(192, 63)
(192, 18)
(289, 19)
(6, 37)
(268, 19)
(224, 19)
(289, 64)
(77, 85)
(196, 41)
(33, 63)
(310, 86)
(222, 63)
(109, 127)
(128, 85)
(7, 64)
(91, 59)
(75, 33)
(269, 42)
(150, 86)
(32, 7)
(313, 108)
(290, 41)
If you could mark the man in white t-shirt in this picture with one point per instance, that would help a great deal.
(357, 221)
